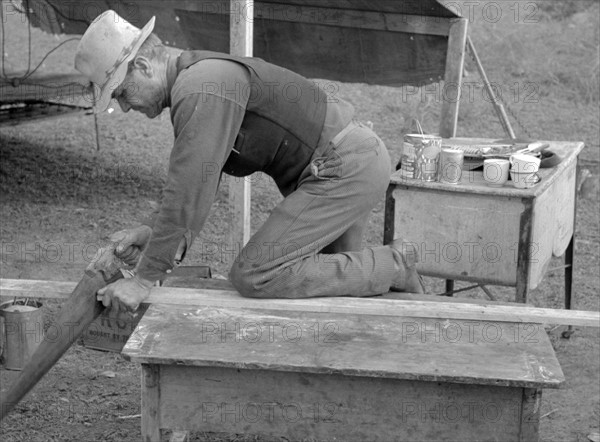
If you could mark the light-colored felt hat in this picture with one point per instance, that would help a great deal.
(104, 52)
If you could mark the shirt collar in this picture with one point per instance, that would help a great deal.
(171, 76)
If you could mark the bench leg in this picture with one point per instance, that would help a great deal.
(150, 403)
(530, 414)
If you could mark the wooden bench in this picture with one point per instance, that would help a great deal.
(345, 376)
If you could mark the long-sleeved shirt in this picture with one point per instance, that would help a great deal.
(208, 103)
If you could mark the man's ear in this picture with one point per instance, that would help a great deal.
(144, 65)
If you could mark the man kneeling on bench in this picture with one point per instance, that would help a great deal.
(238, 113)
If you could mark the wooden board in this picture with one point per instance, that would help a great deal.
(304, 406)
(372, 306)
(352, 345)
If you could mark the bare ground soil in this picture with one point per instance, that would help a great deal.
(61, 198)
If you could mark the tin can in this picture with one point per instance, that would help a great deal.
(408, 160)
(22, 325)
(420, 156)
(451, 165)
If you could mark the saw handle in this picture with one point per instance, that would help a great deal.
(110, 273)
(130, 254)
(114, 278)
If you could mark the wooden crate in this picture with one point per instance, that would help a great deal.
(110, 332)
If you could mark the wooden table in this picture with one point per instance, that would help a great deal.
(350, 377)
(501, 236)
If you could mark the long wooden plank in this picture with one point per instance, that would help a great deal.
(61, 289)
(368, 306)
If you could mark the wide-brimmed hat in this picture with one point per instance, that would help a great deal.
(104, 52)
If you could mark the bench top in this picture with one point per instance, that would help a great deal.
(410, 348)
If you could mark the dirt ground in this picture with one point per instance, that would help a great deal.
(60, 199)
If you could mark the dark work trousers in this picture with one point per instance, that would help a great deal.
(311, 243)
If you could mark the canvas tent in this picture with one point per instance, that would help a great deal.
(386, 42)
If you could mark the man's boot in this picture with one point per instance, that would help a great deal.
(407, 279)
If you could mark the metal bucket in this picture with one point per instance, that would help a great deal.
(22, 324)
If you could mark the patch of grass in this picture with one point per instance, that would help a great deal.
(538, 64)
(556, 10)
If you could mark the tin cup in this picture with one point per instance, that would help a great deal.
(524, 163)
(22, 325)
(495, 171)
(451, 165)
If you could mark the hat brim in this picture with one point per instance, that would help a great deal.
(102, 101)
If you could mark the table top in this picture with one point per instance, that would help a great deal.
(456, 351)
(472, 181)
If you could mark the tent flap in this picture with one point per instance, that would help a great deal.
(387, 42)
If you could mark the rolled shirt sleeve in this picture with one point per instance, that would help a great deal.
(207, 110)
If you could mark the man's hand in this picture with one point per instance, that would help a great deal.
(137, 237)
(125, 295)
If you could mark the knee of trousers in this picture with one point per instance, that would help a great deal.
(241, 279)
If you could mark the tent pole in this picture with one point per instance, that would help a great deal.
(498, 107)
(241, 44)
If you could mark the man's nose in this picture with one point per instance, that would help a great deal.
(125, 106)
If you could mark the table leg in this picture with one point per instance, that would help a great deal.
(569, 261)
(570, 252)
(524, 252)
(389, 217)
(569, 272)
(150, 403)
(569, 282)
(522, 290)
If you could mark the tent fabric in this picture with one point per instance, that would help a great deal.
(314, 47)
(426, 8)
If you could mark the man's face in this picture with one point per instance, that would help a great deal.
(140, 91)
